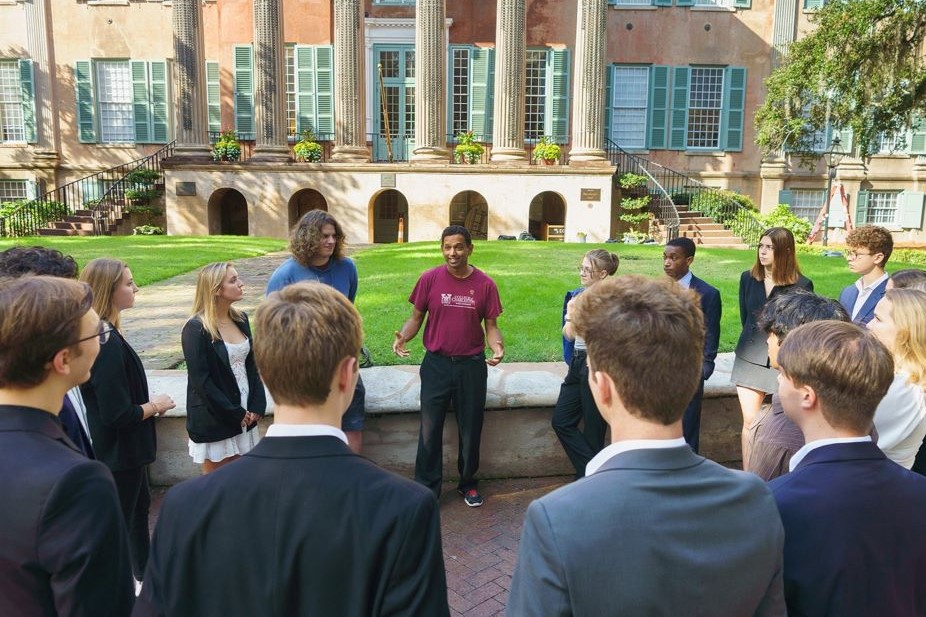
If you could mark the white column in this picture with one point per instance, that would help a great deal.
(350, 143)
(270, 82)
(589, 87)
(190, 81)
(510, 44)
(430, 82)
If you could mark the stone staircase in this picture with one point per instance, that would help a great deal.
(703, 230)
(78, 224)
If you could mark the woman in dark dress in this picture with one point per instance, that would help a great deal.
(120, 412)
(224, 397)
(775, 272)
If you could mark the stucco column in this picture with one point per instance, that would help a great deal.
(350, 143)
(430, 82)
(589, 88)
(41, 49)
(190, 62)
(510, 43)
(270, 82)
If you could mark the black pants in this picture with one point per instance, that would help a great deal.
(691, 421)
(575, 404)
(135, 500)
(460, 381)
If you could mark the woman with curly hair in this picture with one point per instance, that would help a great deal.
(317, 246)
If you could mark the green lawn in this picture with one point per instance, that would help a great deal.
(155, 258)
(532, 278)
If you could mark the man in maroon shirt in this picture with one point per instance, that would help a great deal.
(460, 302)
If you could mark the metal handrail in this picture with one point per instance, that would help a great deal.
(661, 205)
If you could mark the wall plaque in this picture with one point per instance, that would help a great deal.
(387, 180)
(186, 189)
(589, 194)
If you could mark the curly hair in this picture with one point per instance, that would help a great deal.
(20, 260)
(875, 239)
(306, 236)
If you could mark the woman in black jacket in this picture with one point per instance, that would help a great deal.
(120, 411)
(225, 397)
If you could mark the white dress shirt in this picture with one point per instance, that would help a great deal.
(864, 291)
(305, 430)
(77, 401)
(619, 447)
(819, 443)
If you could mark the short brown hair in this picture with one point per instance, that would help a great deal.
(848, 368)
(875, 239)
(603, 260)
(39, 316)
(785, 270)
(306, 235)
(103, 274)
(303, 332)
(648, 336)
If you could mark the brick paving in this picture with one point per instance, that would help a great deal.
(480, 544)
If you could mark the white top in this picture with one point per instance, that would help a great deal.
(619, 447)
(77, 401)
(863, 292)
(305, 430)
(237, 354)
(901, 420)
(813, 445)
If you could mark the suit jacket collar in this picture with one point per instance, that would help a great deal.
(842, 452)
(873, 298)
(15, 418)
(300, 447)
(661, 459)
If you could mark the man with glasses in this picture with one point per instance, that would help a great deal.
(63, 544)
(869, 248)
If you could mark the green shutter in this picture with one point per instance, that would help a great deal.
(846, 136)
(684, 3)
(812, 5)
(734, 101)
(482, 73)
(31, 189)
(244, 92)
(558, 124)
(305, 89)
(918, 136)
(679, 120)
(324, 96)
(27, 89)
(861, 208)
(742, 4)
(910, 209)
(785, 197)
(213, 96)
(83, 81)
(663, 2)
(140, 96)
(658, 106)
(160, 117)
(609, 102)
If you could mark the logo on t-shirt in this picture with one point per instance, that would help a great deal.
(445, 299)
(458, 301)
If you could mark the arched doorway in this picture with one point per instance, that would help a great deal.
(470, 210)
(389, 208)
(547, 217)
(228, 213)
(304, 200)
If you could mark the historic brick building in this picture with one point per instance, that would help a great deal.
(386, 85)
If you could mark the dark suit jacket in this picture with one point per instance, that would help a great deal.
(849, 295)
(569, 346)
(336, 535)
(114, 395)
(63, 547)
(752, 345)
(653, 532)
(213, 400)
(711, 307)
(855, 530)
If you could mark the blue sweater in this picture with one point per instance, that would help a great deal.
(340, 274)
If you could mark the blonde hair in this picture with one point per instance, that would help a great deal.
(603, 260)
(208, 284)
(908, 310)
(103, 274)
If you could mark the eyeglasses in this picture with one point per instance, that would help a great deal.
(103, 332)
(856, 254)
(584, 270)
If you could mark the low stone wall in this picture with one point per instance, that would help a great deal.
(517, 440)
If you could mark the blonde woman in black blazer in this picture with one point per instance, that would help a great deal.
(120, 411)
(225, 397)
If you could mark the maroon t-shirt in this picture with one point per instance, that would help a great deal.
(455, 308)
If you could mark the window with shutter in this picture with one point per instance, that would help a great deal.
(244, 92)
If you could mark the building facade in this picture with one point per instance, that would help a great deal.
(387, 86)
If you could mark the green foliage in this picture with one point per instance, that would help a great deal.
(467, 149)
(781, 216)
(862, 67)
(634, 205)
(148, 230)
(227, 147)
(24, 216)
(631, 180)
(141, 195)
(146, 210)
(308, 149)
(142, 176)
(900, 257)
(546, 149)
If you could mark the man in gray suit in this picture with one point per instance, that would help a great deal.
(653, 529)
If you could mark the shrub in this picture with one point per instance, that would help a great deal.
(467, 150)
(148, 230)
(546, 149)
(24, 216)
(635, 206)
(308, 149)
(227, 147)
(782, 216)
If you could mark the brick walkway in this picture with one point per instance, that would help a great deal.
(480, 544)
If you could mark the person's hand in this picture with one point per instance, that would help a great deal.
(498, 352)
(251, 418)
(163, 402)
(398, 346)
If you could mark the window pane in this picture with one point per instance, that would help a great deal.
(460, 92)
(630, 93)
(882, 207)
(389, 61)
(806, 203)
(114, 89)
(11, 111)
(291, 88)
(633, 2)
(11, 190)
(726, 3)
(705, 99)
(536, 94)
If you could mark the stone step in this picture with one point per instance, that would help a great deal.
(696, 220)
(64, 232)
(71, 225)
(79, 219)
(701, 226)
(710, 233)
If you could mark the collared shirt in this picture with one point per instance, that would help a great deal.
(619, 447)
(685, 281)
(305, 430)
(864, 291)
(813, 445)
(77, 400)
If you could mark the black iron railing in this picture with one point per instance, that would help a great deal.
(661, 184)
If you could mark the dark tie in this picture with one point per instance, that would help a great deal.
(73, 428)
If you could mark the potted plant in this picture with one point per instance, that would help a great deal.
(467, 150)
(546, 150)
(634, 206)
(308, 149)
(227, 147)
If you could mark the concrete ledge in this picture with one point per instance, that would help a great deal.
(517, 440)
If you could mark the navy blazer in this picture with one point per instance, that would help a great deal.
(849, 295)
(753, 344)
(711, 307)
(569, 346)
(213, 399)
(855, 534)
(63, 545)
(338, 536)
